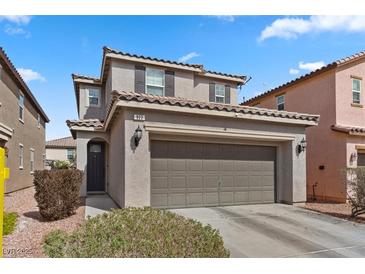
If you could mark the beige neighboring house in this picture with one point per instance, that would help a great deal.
(154, 132)
(336, 92)
(22, 127)
(63, 149)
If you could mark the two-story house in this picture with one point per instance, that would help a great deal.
(153, 132)
(22, 127)
(334, 91)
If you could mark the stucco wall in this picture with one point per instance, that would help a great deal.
(291, 167)
(56, 154)
(27, 133)
(91, 112)
(187, 85)
(347, 114)
(324, 147)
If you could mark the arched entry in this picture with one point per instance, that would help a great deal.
(95, 166)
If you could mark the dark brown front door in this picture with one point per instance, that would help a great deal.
(95, 166)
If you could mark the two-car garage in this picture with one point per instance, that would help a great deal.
(191, 174)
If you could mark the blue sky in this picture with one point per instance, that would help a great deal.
(271, 49)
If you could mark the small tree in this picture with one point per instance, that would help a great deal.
(60, 164)
(355, 183)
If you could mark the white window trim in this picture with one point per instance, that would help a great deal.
(30, 161)
(88, 96)
(356, 91)
(159, 86)
(277, 101)
(21, 156)
(23, 106)
(220, 96)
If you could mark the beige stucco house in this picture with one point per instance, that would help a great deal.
(22, 127)
(63, 149)
(153, 132)
(334, 91)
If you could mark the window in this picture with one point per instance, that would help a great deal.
(155, 81)
(32, 160)
(219, 93)
(356, 90)
(71, 155)
(21, 106)
(21, 156)
(38, 120)
(280, 102)
(93, 97)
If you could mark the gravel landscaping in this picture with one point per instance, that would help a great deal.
(335, 209)
(26, 240)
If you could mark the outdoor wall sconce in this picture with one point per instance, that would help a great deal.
(353, 157)
(302, 146)
(137, 136)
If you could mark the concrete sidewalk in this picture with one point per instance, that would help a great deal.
(98, 204)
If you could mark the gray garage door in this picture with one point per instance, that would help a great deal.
(196, 174)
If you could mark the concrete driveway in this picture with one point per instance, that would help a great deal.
(277, 230)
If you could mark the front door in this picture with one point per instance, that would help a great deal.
(95, 166)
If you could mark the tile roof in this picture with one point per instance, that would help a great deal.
(92, 123)
(198, 66)
(19, 80)
(79, 76)
(309, 75)
(66, 142)
(182, 102)
(348, 129)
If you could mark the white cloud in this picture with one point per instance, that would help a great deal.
(188, 56)
(14, 30)
(311, 66)
(293, 71)
(225, 18)
(292, 27)
(17, 19)
(30, 75)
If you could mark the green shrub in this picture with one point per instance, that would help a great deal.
(9, 222)
(57, 192)
(137, 233)
(59, 164)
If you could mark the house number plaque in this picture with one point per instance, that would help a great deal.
(139, 117)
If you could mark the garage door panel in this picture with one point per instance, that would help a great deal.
(196, 174)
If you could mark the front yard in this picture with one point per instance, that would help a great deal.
(26, 239)
(339, 210)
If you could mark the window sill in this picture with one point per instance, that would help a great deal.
(21, 168)
(32, 172)
(357, 105)
(20, 120)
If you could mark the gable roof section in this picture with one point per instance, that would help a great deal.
(307, 76)
(66, 142)
(14, 74)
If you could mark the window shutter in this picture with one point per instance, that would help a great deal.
(140, 79)
(227, 94)
(169, 83)
(211, 92)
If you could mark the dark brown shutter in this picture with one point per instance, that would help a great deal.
(227, 94)
(140, 79)
(211, 92)
(169, 83)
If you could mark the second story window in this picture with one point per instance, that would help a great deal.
(356, 90)
(219, 93)
(155, 81)
(93, 97)
(38, 120)
(21, 106)
(280, 102)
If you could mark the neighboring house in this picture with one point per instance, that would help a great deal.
(63, 149)
(159, 133)
(336, 93)
(22, 127)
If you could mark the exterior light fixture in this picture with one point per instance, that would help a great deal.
(353, 157)
(137, 136)
(302, 146)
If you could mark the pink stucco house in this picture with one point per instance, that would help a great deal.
(334, 91)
